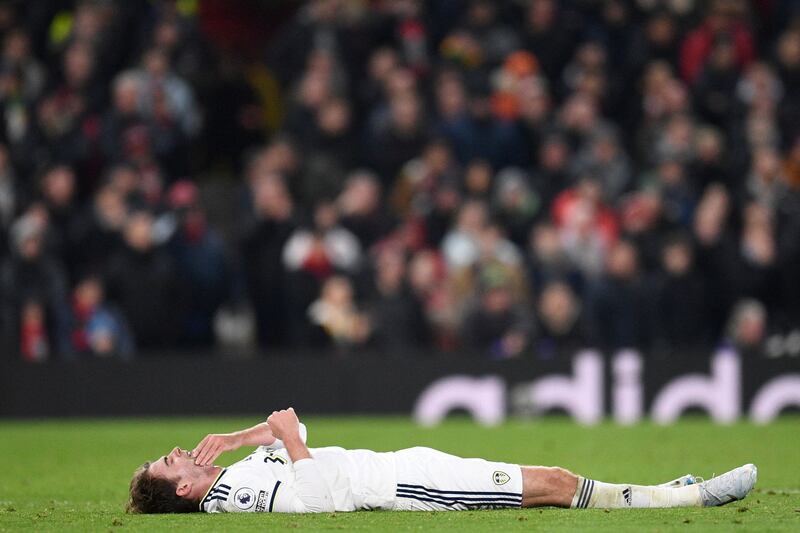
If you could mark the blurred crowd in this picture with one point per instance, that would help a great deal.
(517, 178)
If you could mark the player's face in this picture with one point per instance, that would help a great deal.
(176, 465)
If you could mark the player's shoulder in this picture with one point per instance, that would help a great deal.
(218, 493)
(233, 491)
(246, 486)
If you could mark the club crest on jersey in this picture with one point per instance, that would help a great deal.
(244, 498)
(261, 503)
(500, 478)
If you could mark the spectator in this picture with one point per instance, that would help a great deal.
(98, 330)
(478, 179)
(516, 204)
(714, 88)
(710, 164)
(331, 150)
(17, 53)
(35, 293)
(389, 146)
(722, 21)
(395, 315)
(475, 134)
(656, 41)
(261, 248)
(128, 136)
(618, 302)
(326, 248)
(482, 24)
(579, 119)
(788, 71)
(418, 183)
(552, 174)
(605, 159)
(97, 232)
(765, 182)
(427, 278)
(360, 206)
(535, 112)
(586, 225)
(140, 278)
(58, 193)
(548, 261)
(496, 325)
(715, 252)
(9, 199)
(747, 327)
(674, 189)
(199, 256)
(680, 319)
(643, 223)
(335, 317)
(550, 33)
(460, 245)
(755, 271)
(559, 322)
(68, 115)
(17, 125)
(165, 97)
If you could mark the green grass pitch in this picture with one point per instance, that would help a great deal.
(73, 475)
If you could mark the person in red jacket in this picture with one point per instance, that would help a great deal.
(722, 19)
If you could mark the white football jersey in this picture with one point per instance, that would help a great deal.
(334, 480)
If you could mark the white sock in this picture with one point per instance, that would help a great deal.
(596, 494)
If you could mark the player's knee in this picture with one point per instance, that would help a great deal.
(548, 476)
(557, 477)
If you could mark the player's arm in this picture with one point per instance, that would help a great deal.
(310, 488)
(213, 445)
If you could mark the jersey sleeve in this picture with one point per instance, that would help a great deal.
(310, 489)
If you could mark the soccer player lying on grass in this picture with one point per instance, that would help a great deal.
(285, 476)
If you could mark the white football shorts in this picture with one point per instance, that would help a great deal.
(430, 480)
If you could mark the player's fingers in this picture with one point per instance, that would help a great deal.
(214, 454)
(200, 445)
(202, 457)
(198, 450)
(210, 443)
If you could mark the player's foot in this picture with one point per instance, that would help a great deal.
(686, 479)
(729, 487)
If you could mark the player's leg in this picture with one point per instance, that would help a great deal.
(559, 487)
(431, 480)
(686, 479)
(548, 485)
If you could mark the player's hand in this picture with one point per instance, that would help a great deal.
(214, 445)
(284, 424)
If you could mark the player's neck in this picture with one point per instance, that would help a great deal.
(204, 483)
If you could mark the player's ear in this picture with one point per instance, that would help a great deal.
(183, 489)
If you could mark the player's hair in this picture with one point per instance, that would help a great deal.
(150, 495)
